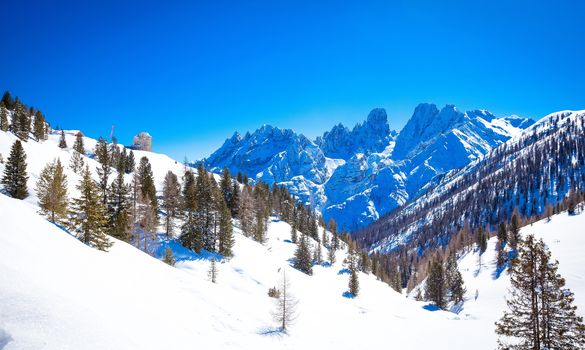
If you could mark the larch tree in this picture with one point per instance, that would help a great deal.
(15, 176)
(51, 190)
(540, 314)
(286, 304)
(171, 201)
(89, 217)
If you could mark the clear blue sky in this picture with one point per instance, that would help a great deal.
(192, 73)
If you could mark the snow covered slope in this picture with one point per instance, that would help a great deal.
(374, 169)
(56, 293)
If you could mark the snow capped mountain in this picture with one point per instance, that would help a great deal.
(357, 175)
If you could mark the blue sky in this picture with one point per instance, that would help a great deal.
(191, 73)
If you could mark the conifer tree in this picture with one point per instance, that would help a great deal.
(147, 220)
(21, 122)
(62, 141)
(78, 145)
(104, 170)
(189, 236)
(285, 312)
(454, 280)
(89, 216)
(225, 185)
(205, 213)
(260, 228)
(171, 201)
(169, 257)
(52, 192)
(325, 239)
(317, 254)
(333, 230)
(246, 211)
(15, 176)
(502, 233)
(293, 233)
(302, 260)
(4, 125)
(120, 209)
(130, 163)
(77, 163)
(39, 127)
(226, 235)
(541, 313)
(146, 180)
(234, 203)
(353, 285)
(7, 100)
(435, 285)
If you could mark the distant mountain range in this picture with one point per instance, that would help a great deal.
(358, 175)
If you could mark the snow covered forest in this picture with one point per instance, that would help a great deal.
(105, 246)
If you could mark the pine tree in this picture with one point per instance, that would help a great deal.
(317, 254)
(104, 170)
(325, 239)
(293, 233)
(333, 230)
(89, 216)
(120, 209)
(62, 141)
(52, 192)
(130, 163)
(21, 122)
(502, 233)
(213, 272)
(188, 237)
(246, 211)
(4, 125)
(353, 285)
(205, 217)
(15, 176)
(234, 203)
(226, 187)
(7, 100)
(302, 260)
(147, 220)
(146, 180)
(541, 313)
(435, 285)
(39, 127)
(169, 257)
(260, 228)
(454, 280)
(226, 235)
(78, 145)
(285, 312)
(171, 201)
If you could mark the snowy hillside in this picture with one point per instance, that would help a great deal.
(356, 176)
(57, 293)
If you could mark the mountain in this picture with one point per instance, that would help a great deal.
(57, 293)
(531, 174)
(356, 176)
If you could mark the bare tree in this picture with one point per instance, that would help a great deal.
(285, 312)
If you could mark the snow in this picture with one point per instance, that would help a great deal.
(56, 293)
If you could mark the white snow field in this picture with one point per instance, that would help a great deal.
(57, 293)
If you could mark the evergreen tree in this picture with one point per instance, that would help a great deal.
(120, 209)
(189, 238)
(353, 285)
(39, 127)
(293, 233)
(4, 125)
(502, 233)
(260, 228)
(226, 235)
(169, 257)
(78, 145)
(62, 141)
(52, 192)
(104, 170)
(435, 286)
(333, 230)
(325, 239)
(88, 214)
(171, 201)
(454, 280)
(130, 163)
(21, 122)
(146, 217)
(541, 313)
(302, 260)
(205, 209)
(234, 203)
(246, 211)
(7, 100)
(146, 181)
(225, 185)
(15, 176)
